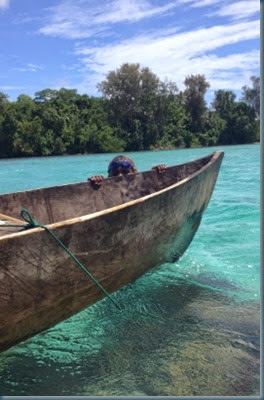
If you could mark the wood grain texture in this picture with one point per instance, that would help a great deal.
(119, 231)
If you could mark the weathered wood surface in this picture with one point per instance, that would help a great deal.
(119, 231)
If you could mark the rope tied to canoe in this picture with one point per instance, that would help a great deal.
(32, 223)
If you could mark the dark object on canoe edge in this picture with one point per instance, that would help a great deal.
(129, 225)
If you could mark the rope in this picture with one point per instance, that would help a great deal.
(32, 223)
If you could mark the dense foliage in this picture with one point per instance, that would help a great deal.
(137, 111)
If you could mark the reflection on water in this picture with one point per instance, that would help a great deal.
(173, 337)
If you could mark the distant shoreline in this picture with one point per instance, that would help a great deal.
(135, 151)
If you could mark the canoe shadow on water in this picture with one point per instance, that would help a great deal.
(170, 338)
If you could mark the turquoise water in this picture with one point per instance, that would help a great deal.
(186, 329)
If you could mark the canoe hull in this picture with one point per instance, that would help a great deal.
(41, 286)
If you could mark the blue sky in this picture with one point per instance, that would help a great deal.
(75, 43)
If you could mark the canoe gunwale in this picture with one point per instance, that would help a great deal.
(87, 217)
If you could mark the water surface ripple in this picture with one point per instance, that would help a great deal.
(185, 329)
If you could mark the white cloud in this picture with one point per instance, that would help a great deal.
(200, 3)
(228, 72)
(4, 3)
(79, 20)
(62, 82)
(239, 10)
(131, 11)
(29, 68)
(229, 8)
(177, 55)
(11, 87)
(170, 53)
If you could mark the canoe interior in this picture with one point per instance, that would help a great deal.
(59, 203)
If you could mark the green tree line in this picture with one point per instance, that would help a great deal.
(136, 111)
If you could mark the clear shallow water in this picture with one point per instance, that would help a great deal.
(189, 328)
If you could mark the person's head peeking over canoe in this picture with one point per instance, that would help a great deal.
(121, 165)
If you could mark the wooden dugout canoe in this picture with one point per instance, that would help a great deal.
(130, 224)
